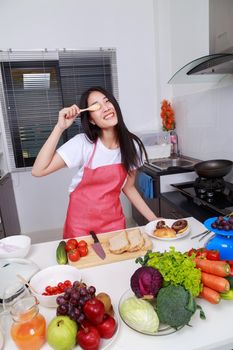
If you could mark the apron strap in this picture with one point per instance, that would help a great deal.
(92, 155)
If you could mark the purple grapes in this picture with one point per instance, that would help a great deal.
(223, 223)
(73, 300)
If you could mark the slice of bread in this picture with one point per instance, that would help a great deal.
(119, 243)
(147, 242)
(136, 240)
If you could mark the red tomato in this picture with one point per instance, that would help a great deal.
(82, 243)
(107, 327)
(88, 338)
(192, 251)
(83, 250)
(73, 255)
(61, 286)
(230, 262)
(94, 311)
(67, 283)
(71, 244)
(201, 253)
(213, 254)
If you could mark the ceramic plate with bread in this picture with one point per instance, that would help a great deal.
(168, 229)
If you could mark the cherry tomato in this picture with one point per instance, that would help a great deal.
(107, 327)
(88, 338)
(71, 244)
(83, 250)
(67, 283)
(73, 255)
(61, 286)
(192, 251)
(82, 243)
(201, 253)
(213, 254)
(48, 289)
(94, 311)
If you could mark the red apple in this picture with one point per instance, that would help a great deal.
(107, 327)
(88, 338)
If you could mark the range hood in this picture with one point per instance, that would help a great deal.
(210, 68)
(219, 63)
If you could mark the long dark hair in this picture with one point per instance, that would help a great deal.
(129, 155)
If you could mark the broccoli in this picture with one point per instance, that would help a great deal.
(175, 306)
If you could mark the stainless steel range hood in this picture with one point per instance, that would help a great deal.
(208, 68)
(219, 62)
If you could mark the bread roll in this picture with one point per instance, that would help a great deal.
(165, 232)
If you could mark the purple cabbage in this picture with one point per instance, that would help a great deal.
(146, 282)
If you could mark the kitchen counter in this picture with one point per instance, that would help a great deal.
(213, 333)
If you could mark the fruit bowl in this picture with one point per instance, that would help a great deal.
(51, 276)
(163, 329)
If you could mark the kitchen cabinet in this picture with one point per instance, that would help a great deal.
(170, 211)
(220, 24)
(8, 211)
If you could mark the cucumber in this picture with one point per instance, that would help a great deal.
(61, 255)
(230, 280)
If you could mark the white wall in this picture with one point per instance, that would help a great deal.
(127, 25)
(203, 112)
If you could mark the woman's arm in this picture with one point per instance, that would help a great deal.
(135, 198)
(47, 160)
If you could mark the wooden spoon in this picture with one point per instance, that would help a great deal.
(91, 108)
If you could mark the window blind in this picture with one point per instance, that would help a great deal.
(35, 85)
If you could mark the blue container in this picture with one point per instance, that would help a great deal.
(222, 241)
(224, 244)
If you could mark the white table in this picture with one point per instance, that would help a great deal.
(216, 332)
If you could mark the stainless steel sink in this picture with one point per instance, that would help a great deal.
(163, 164)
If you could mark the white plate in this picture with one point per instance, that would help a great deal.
(151, 226)
(163, 329)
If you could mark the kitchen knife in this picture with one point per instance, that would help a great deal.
(97, 246)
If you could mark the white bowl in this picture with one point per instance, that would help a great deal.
(16, 246)
(51, 276)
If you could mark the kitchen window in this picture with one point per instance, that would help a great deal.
(35, 85)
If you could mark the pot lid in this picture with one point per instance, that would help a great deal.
(9, 268)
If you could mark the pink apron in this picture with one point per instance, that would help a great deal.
(95, 202)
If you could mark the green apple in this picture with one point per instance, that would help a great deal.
(61, 333)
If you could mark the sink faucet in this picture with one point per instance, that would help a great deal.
(175, 152)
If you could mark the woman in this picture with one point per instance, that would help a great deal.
(107, 156)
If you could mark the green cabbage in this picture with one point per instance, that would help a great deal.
(140, 315)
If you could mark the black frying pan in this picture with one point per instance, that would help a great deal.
(213, 168)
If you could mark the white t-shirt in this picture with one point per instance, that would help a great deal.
(77, 151)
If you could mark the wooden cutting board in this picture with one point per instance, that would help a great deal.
(92, 259)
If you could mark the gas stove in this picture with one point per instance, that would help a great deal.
(215, 194)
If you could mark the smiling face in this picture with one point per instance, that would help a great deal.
(105, 117)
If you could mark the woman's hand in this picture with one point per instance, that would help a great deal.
(67, 116)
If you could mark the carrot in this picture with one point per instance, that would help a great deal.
(214, 267)
(214, 282)
(210, 295)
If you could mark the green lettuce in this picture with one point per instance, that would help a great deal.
(176, 268)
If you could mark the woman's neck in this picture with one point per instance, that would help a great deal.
(109, 139)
